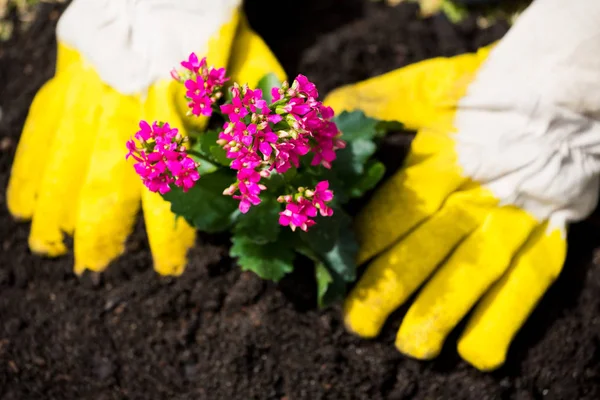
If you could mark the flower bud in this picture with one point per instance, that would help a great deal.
(175, 75)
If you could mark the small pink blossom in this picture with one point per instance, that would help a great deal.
(304, 205)
(203, 84)
(161, 158)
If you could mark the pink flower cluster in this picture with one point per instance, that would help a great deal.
(261, 138)
(203, 84)
(303, 206)
(161, 158)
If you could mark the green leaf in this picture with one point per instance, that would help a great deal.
(207, 164)
(374, 171)
(206, 167)
(321, 237)
(341, 257)
(260, 225)
(206, 145)
(205, 141)
(384, 127)
(268, 82)
(353, 167)
(324, 279)
(332, 240)
(204, 205)
(269, 261)
(330, 286)
(357, 125)
(220, 155)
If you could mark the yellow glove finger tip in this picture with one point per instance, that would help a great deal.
(167, 267)
(170, 238)
(418, 343)
(48, 248)
(506, 306)
(481, 355)
(359, 319)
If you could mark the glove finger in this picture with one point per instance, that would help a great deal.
(170, 237)
(37, 135)
(111, 194)
(459, 283)
(394, 275)
(510, 301)
(251, 57)
(404, 200)
(68, 159)
(417, 95)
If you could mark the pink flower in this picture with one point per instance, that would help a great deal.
(260, 138)
(192, 64)
(203, 84)
(322, 195)
(161, 158)
(249, 189)
(304, 205)
(236, 110)
(306, 87)
(297, 215)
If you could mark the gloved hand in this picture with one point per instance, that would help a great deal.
(506, 156)
(113, 69)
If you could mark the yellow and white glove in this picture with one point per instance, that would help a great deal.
(113, 69)
(506, 156)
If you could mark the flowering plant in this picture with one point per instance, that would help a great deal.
(276, 174)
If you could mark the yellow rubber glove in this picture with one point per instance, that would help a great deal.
(114, 57)
(507, 154)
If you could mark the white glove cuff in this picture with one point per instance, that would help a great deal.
(133, 43)
(529, 127)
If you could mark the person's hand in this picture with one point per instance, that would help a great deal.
(113, 69)
(506, 156)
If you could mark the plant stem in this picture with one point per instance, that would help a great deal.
(199, 156)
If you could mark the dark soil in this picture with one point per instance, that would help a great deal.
(217, 333)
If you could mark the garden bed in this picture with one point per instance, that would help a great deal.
(218, 333)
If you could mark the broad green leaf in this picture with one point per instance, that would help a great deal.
(207, 164)
(206, 167)
(355, 125)
(204, 205)
(321, 237)
(341, 257)
(269, 261)
(220, 155)
(261, 224)
(266, 83)
(350, 161)
(331, 287)
(353, 167)
(205, 141)
(384, 127)
(206, 145)
(374, 171)
(332, 241)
